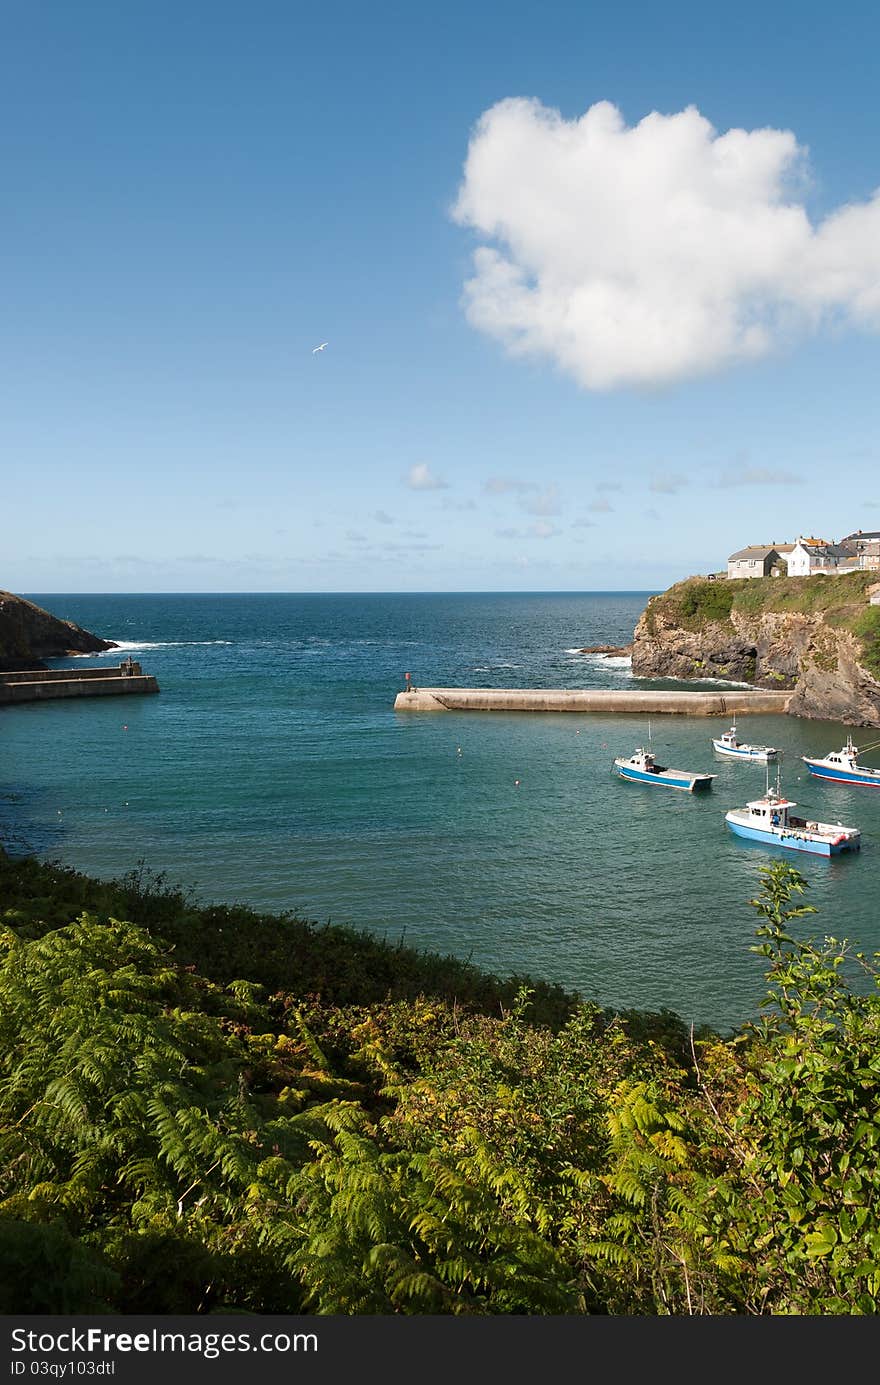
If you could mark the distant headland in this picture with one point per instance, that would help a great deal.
(817, 636)
(28, 635)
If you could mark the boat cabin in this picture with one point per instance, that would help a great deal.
(846, 757)
(839, 757)
(644, 760)
(770, 811)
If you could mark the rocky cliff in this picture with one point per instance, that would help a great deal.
(819, 636)
(28, 635)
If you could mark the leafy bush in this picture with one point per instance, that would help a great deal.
(174, 1142)
(700, 602)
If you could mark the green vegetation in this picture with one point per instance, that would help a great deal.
(867, 627)
(697, 601)
(193, 1122)
(704, 601)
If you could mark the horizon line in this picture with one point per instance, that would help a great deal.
(518, 591)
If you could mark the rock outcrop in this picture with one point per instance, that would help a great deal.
(823, 642)
(28, 635)
(610, 650)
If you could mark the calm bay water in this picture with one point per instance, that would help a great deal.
(273, 770)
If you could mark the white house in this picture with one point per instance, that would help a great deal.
(811, 557)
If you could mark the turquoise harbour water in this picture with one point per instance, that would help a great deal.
(272, 769)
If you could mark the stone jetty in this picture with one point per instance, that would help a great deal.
(40, 684)
(692, 704)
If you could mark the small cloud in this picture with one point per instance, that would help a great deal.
(651, 513)
(600, 506)
(583, 523)
(382, 517)
(609, 486)
(392, 547)
(758, 476)
(508, 534)
(421, 478)
(447, 503)
(543, 530)
(504, 485)
(872, 504)
(669, 484)
(546, 503)
(354, 537)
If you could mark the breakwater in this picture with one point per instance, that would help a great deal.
(40, 685)
(694, 704)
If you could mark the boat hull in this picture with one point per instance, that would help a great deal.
(841, 776)
(793, 840)
(669, 780)
(761, 757)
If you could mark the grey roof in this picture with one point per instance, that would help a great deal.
(752, 554)
(871, 536)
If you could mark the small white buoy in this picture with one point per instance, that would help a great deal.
(516, 783)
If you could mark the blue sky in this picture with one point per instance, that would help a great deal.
(669, 347)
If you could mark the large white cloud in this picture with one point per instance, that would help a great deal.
(654, 252)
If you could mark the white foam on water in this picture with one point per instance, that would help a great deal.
(160, 644)
(694, 684)
(619, 664)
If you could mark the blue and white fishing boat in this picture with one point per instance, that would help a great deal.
(843, 767)
(642, 768)
(727, 744)
(770, 820)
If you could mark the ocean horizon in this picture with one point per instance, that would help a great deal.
(272, 770)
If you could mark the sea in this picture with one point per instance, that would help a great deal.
(272, 770)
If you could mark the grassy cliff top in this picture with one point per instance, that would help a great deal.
(841, 601)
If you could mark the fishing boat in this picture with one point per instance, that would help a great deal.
(770, 820)
(642, 768)
(843, 766)
(728, 744)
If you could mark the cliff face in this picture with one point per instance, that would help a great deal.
(28, 634)
(818, 636)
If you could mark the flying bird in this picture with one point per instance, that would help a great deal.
(316, 349)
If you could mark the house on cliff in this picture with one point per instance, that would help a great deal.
(865, 548)
(812, 557)
(758, 561)
(809, 557)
